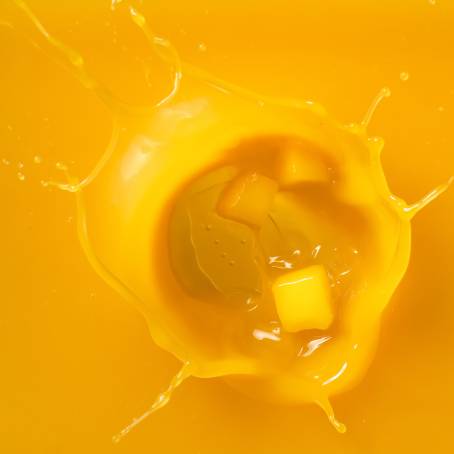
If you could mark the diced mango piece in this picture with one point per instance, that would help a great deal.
(295, 166)
(248, 199)
(303, 299)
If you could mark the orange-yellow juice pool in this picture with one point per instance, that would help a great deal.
(214, 165)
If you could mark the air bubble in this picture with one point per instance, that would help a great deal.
(232, 263)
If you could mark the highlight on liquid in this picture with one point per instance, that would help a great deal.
(256, 235)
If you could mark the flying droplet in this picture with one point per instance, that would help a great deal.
(21, 176)
(61, 166)
(6, 162)
(404, 76)
(37, 159)
(202, 47)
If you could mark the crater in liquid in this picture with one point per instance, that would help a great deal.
(329, 230)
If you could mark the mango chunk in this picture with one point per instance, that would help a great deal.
(248, 199)
(303, 299)
(297, 166)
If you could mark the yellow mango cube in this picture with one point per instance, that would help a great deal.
(303, 299)
(248, 199)
(295, 166)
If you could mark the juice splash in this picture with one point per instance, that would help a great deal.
(120, 198)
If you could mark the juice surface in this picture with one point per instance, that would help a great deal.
(78, 362)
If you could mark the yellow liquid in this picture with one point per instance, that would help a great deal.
(68, 391)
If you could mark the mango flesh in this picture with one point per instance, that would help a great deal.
(248, 199)
(303, 299)
(296, 166)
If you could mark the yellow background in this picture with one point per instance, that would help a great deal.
(77, 362)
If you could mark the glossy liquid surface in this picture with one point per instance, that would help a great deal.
(79, 362)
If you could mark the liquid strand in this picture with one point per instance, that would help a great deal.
(161, 401)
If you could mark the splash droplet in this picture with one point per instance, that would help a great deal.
(61, 166)
(404, 76)
(20, 176)
(37, 159)
(202, 47)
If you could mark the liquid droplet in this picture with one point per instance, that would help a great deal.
(202, 47)
(61, 166)
(404, 76)
(37, 159)
(6, 162)
(20, 176)
(20, 165)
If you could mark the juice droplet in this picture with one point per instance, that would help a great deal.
(432, 2)
(37, 159)
(6, 162)
(61, 166)
(20, 176)
(114, 4)
(202, 47)
(20, 165)
(404, 76)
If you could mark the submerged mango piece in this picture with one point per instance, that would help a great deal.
(248, 199)
(296, 165)
(303, 299)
